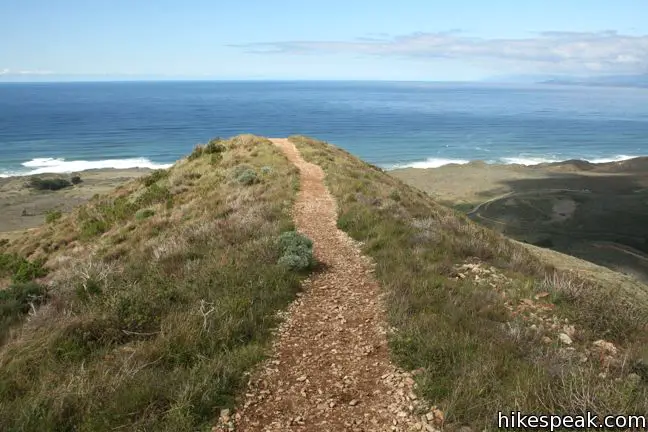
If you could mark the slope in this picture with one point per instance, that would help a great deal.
(486, 324)
(157, 298)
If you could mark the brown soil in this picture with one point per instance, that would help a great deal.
(330, 369)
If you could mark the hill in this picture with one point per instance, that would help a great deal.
(146, 308)
(158, 296)
(592, 211)
(636, 80)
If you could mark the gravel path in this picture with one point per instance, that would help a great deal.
(330, 369)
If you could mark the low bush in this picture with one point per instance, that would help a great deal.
(196, 153)
(16, 301)
(296, 251)
(20, 269)
(247, 177)
(76, 179)
(92, 227)
(153, 195)
(215, 146)
(155, 176)
(144, 214)
(52, 216)
(52, 184)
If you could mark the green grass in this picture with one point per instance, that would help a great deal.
(474, 355)
(155, 329)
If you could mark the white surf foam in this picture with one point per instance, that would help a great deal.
(527, 160)
(518, 160)
(538, 160)
(431, 163)
(618, 158)
(55, 165)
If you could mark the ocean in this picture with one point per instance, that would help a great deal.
(66, 127)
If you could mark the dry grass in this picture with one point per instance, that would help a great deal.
(489, 343)
(152, 321)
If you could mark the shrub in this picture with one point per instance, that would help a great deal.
(92, 227)
(297, 251)
(53, 216)
(144, 214)
(197, 152)
(20, 269)
(48, 183)
(247, 177)
(294, 262)
(76, 179)
(266, 170)
(214, 146)
(16, 301)
(153, 195)
(28, 270)
(155, 176)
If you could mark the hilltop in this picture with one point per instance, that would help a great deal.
(151, 306)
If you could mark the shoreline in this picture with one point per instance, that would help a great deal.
(23, 208)
(436, 163)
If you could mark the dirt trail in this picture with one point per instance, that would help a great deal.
(330, 369)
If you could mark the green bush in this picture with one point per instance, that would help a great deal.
(15, 302)
(144, 214)
(266, 170)
(247, 177)
(197, 152)
(76, 179)
(214, 146)
(153, 195)
(28, 270)
(296, 251)
(52, 184)
(92, 227)
(20, 269)
(155, 176)
(53, 216)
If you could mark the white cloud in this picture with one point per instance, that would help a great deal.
(556, 52)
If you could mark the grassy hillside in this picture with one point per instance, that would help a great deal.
(595, 212)
(143, 309)
(486, 324)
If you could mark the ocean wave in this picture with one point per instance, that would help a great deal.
(61, 166)
(430, 163)
(518, 160)
(618, 158)
(521, 160)
(539, 160)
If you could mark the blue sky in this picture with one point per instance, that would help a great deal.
(333, 39)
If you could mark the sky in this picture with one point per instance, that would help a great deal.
(428, 40)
